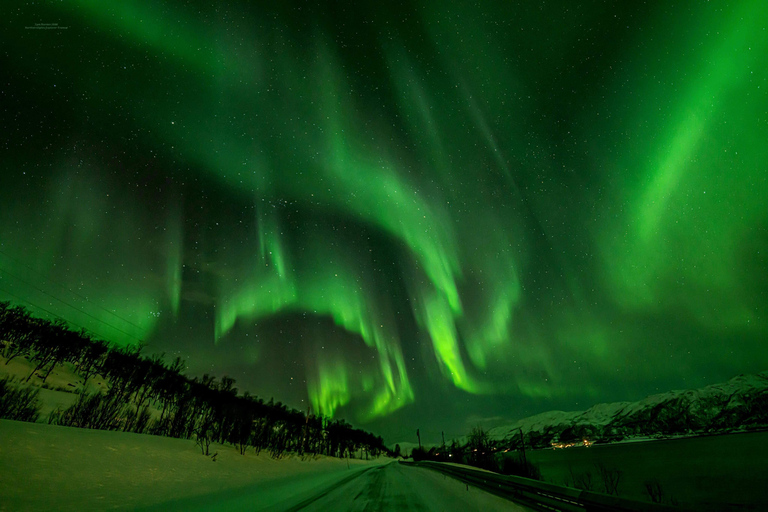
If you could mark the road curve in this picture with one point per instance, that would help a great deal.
(378, 487)
(398, 487)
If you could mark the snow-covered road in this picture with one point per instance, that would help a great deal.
(400, 487)
(386, 487)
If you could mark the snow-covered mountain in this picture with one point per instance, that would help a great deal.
(739, 404)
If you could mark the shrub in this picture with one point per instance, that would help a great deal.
(516, 467)
(583, 480)
(611, 478)
(418, 454)
(481, 450)
(654, 490)
(136, 419)
(18, 403)
(93, 411)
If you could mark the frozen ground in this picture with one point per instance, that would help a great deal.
(61, 384)
(379, 487)
(45, 467)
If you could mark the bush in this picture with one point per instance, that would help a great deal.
(516, 467)
(585, 480)
(137, 420)
(611, 478)
(418, 454)
(93, 411)
(480, 450)
(654, 490)
(18, 403)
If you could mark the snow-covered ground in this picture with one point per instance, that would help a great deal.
(60, 386)
(63, 376)
(46, 467)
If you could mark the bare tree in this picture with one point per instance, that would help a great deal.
(654, 490)
(611, 478)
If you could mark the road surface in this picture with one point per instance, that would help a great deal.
(385, 487)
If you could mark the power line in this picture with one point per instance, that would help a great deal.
(65, 287)
(52, 313)
(70, 305)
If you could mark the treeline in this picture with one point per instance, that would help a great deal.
(150, 395)
(481, 451)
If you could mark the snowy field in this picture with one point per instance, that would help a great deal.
(60, 386)
(46, 467)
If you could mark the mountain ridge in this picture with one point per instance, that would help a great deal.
(738, 404)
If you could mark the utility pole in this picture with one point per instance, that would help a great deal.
(306, 430)
(418, 436)
(522, 442)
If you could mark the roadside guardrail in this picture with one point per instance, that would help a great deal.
(543, 495)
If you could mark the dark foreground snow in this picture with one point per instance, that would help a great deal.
(46, 467)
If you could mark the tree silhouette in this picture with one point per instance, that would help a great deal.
(203, 409)
(16, 330)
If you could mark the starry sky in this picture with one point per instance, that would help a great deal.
(419, 214)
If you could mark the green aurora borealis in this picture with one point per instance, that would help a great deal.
(410, 214)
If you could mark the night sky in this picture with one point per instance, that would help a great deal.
(405, 214)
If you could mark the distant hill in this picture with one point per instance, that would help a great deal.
(405, 447)
(737, 405)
